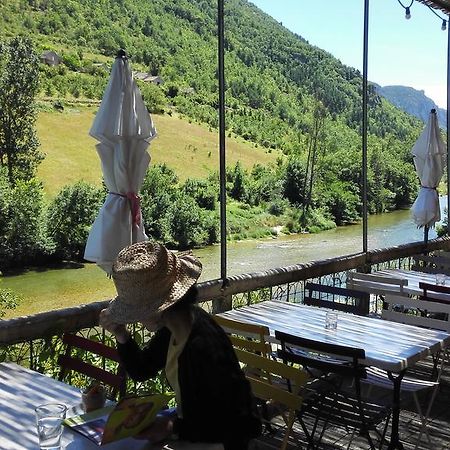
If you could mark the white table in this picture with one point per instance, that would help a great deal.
(414, 277)
(390, 346)
(21, 390)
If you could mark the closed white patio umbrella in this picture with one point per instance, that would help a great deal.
(124, 130)
(429, 154)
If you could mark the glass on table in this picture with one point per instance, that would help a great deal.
(49, 419)
(440, 279)
(331, 318)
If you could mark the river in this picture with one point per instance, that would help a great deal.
(46, 289)
(384, 230)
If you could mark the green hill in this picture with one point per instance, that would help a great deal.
(282, 93)
(180, 144)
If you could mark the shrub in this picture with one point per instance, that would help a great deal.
(203, 192)
(8, 300)
(70, 217)
(186, 223)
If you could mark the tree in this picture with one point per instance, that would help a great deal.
(294, 181)
(22, 223)
(239, 181)
(19, 146)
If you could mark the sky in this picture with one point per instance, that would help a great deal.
(401, 52)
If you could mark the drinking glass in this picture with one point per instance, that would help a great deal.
(331, 318)
(440, 279)
(49, 419)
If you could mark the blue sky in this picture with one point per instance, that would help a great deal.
(408, 52)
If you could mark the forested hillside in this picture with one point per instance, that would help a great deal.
(282, 93)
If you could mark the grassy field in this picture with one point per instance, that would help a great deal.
(190, 149)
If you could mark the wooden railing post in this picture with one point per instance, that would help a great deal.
(222, 304)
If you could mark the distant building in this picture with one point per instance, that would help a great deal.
(50, 58)
(148, 78)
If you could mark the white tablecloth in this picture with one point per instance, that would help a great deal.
(388, 345)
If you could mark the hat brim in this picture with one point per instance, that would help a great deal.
(123, 313)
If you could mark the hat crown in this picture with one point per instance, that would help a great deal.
(150, 278)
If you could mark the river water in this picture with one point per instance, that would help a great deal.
(384, 230)
(47, 289)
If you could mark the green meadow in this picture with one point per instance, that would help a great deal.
(191, 149)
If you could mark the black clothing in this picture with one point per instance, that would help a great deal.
(216, 399)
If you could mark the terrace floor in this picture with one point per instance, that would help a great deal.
(338, 438)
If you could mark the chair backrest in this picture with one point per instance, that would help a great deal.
(246, 336)
(92, 350)
(439, 263)
(282, 388)
(322, 356)
(333, 297)
(435, 293)
(270, 390)
(416, 311)
(375, 284)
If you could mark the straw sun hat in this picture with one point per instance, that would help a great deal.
(149, 279)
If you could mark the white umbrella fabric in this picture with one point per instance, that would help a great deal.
(429, 154)
(124, 130)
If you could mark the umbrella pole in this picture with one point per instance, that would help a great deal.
(426, 228)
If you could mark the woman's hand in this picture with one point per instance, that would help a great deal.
(158, 431)
(117, 329)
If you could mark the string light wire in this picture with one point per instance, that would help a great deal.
(408, 13)
(407, 9)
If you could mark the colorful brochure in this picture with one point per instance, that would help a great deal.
(127, 418)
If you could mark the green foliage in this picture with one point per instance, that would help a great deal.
(186, 223)
(8, 300)
(72, 61)
(157, 193)
(180, 216)
(22, 223)
(294, 181)
(153, 97)
(319, 220)
(341, 202)
(19, 147)
(70, 217)
(238, 183)
(205, 193)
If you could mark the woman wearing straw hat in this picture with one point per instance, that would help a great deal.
(157, 288)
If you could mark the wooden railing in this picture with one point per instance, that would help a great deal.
(34, 340)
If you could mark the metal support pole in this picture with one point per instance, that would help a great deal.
(448, 127)
(222, 167)
(364, 122)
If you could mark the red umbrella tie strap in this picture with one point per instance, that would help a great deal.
(135, 205)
